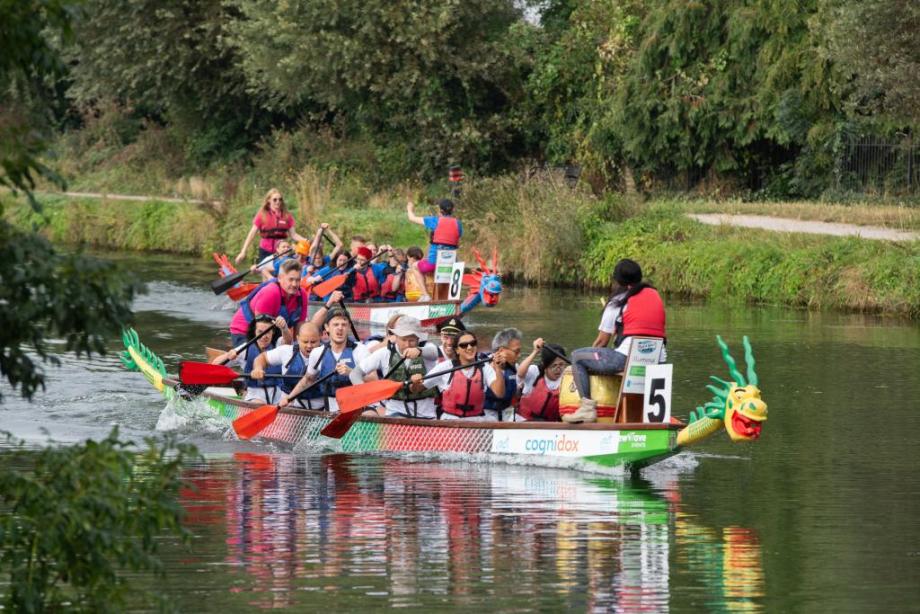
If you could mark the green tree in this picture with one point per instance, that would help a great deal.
(439, 75)
(76, 517)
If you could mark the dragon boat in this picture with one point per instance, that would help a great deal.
(737, 407)
(484, 288)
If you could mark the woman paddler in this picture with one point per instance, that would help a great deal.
(445, 230)
(262, 388)
(463, 392)
(414, 400)
(634, 309)
(541, 380)
(273, 223)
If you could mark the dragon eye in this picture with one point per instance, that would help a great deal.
(739, 392)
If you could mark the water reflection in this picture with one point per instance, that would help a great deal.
(377, 532)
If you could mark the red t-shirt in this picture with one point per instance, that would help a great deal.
(267, 220)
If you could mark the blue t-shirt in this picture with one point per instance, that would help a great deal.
(431, 223)
(325, 267)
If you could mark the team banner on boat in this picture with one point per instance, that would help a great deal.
(643, 352)
(555, 443)
(444, 266)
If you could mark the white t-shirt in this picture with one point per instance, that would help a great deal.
(358, 354)
(281, 355)
(612, 313)
(380, 360)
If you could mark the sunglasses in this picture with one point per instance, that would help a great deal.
(467, 344)
(276, 200)
(264, 318)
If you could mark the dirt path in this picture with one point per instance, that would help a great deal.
(819, 228)
(134, 197)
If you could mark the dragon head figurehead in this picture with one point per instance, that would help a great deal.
(736, 403)
(485, 283)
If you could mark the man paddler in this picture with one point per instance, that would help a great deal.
(292, 360)
(413, 400)
(339, 354)
(445, 230)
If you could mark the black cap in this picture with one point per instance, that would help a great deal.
(335, 312)
(452, 327)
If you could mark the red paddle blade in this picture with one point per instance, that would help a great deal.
(240, 292)
(351, 398)
(330, 285)
(340, 425)
(252, 423)
(201, 373)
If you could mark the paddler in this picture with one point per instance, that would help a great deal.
(263, 387)
(292, 360)
(339, 354)
(634, 308)
(416, 288)
(393, 288)
(541, 375)
(449, 331)
(272, 222)
(507, 342)
(445, 230)
(414, 400)
(271, 269)
(463, 392)
(315, 259)
(365, 285)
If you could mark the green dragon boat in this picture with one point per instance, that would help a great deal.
(736, 407)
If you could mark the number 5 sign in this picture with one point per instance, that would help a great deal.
(656, 402)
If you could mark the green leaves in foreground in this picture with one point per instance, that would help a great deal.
(46, 294)
(75, 518)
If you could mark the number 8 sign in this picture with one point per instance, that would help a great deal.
(456, 282)
(656, 402)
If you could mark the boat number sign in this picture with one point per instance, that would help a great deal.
(656, 403)
(456, 281)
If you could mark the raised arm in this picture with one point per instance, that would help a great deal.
(410, 213)
(498, 386)
(320, 316)
(338, 244)
(252, 233)
(525, 364)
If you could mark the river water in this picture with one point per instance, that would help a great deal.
(821, 514)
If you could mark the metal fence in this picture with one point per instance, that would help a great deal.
(882, 166)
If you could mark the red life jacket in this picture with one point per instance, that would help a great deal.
(389, 292)
(465, 396)
(366, 285)
(276, 228)
(644, 315)
(541, 404)
(447, 232)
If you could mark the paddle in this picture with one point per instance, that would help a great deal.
(219, 286)
(351, 322)
(353, 398)
(245, 345)
(240, 292)
(201, 373)
(333, 283)
(341, 424)
(255, 421)
(557, 354)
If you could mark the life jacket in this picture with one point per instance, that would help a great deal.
(508, 399)
(279, 228)
(297, 365)
(328, 363)
(290, 317)
(465, 396)
(252, 352)
(447, 232)
(541, 404)
(645, 316)
(366, 285)
(388, 292)
(403, 372)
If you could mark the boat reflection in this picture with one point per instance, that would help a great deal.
(435, 534)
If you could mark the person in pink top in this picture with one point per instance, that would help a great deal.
(283, 299)
(273, 223)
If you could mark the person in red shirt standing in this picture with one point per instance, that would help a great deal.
(634, 309)
(273, 223)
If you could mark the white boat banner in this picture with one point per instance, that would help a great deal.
(560, 443)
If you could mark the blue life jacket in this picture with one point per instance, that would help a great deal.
(328, 364)
(297, 365)
(252, 352)
(499, 404)
(291, 318)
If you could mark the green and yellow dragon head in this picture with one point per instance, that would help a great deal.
(737, 403)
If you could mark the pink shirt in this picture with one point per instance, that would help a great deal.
(268, 301)
(272, 220)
